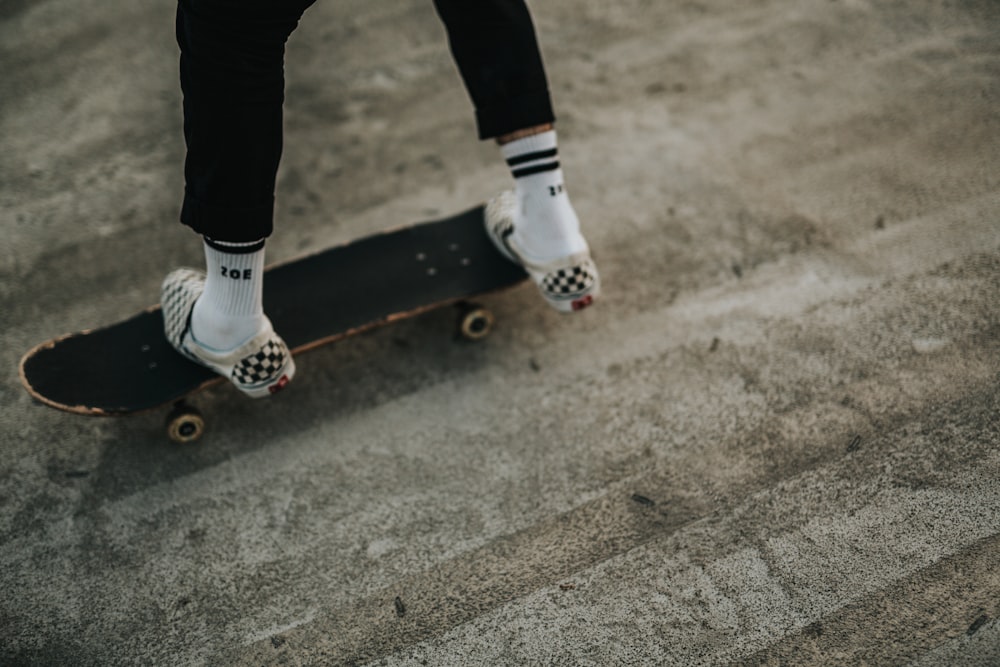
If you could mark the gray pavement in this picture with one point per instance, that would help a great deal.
(773, 443)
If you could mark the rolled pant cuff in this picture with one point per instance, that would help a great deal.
(515, 114)
(235, 224)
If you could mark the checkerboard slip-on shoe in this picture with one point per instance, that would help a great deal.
(568, 284)
(260, 367)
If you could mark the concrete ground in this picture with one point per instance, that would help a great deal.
(774, 442)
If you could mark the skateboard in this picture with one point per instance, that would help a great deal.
(313, 300)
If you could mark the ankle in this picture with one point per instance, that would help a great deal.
(504, 139)
(221, 331)
(546, 226)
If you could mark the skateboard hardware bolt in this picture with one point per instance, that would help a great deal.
(421, 257)
(432, 271)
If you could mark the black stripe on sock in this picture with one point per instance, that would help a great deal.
(537, 169)
(531, 157)
(237, 249)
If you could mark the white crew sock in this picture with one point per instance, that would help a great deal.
(231, 310)
(546, 226)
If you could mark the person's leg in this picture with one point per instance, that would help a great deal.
(496, 51)
(232, 78)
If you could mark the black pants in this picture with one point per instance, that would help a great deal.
(232, 77)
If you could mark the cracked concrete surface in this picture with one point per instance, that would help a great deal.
(774, 442)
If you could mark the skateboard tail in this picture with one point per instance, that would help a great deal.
(125, 368)
(41, 349)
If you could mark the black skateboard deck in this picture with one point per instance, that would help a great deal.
(313, 300)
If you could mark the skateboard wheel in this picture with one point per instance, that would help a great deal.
(475, 322)
(185, 424)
